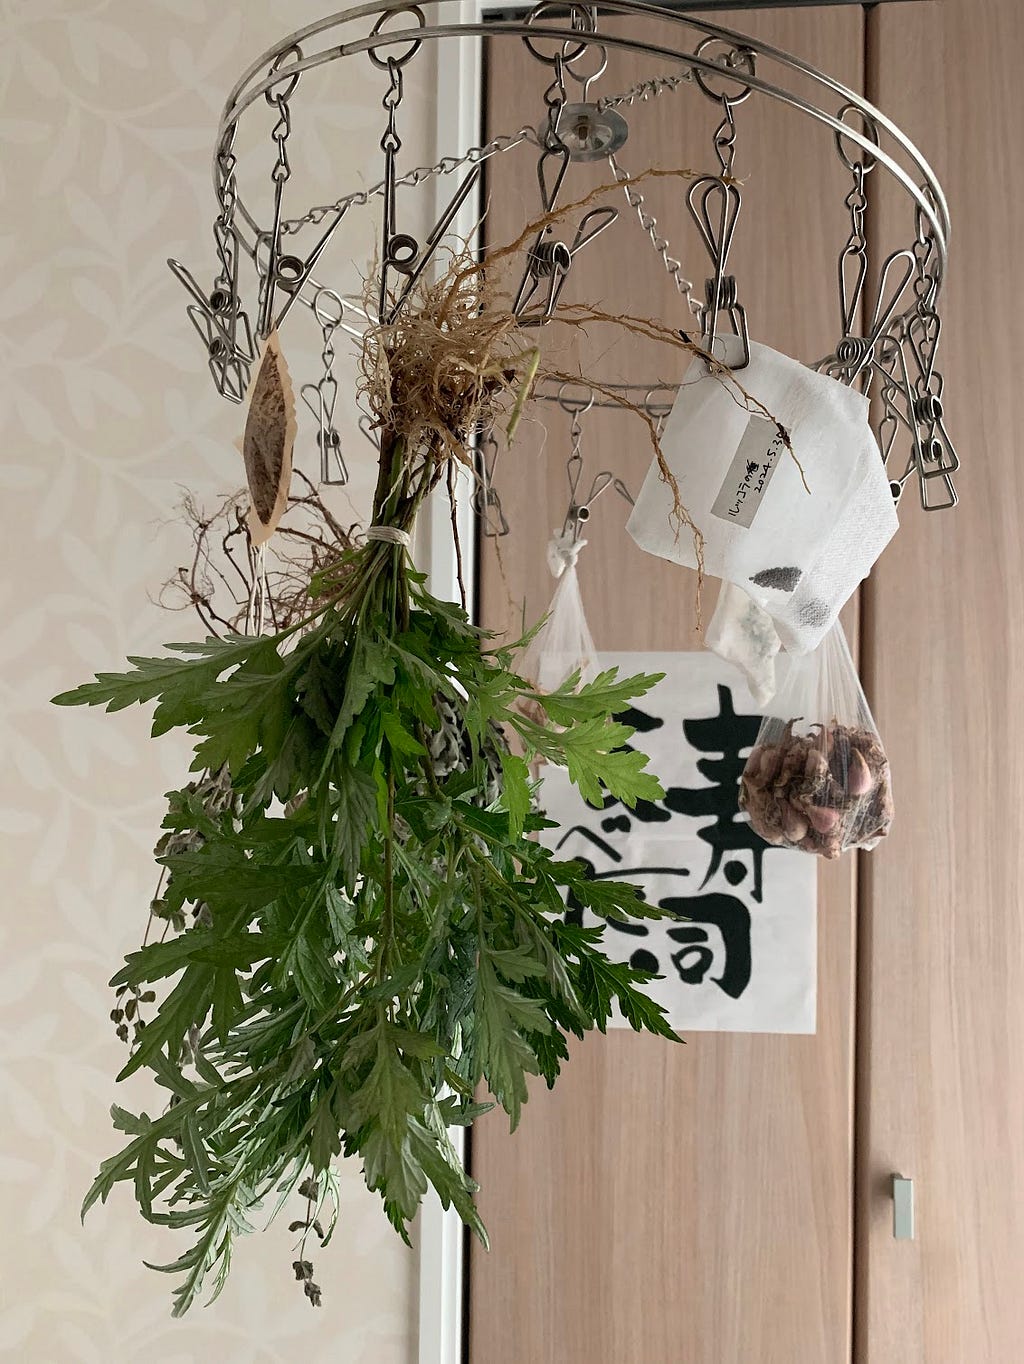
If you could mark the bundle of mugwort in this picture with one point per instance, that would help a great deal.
(370, 935)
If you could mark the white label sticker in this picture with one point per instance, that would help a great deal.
(750, 472)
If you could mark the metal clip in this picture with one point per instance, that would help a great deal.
(602, 482)
(720, 295)
(223, 327)
(915, 404)
(578, 513)
(321, 398)
(552, 261)
(414, 261)
(934, 453)
(855, 354)
(485, 501)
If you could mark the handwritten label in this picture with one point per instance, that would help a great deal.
(750, 472)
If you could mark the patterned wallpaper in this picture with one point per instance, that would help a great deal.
(107, 115)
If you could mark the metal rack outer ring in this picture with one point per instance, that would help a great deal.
(927, 195)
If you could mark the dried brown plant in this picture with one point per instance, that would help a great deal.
(223, 575)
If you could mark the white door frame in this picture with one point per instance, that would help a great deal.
(458, 121)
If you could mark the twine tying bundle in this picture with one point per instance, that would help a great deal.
(389, 535)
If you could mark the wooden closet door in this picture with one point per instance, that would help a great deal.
(942, 1002)
(692, 1204)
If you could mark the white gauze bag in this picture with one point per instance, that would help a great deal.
(797, 554)
(563, 645)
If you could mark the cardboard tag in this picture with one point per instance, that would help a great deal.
(269, 437)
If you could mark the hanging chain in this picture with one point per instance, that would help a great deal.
(447, 165)
(502, 142)
(854, 253)
(280, 175)
(322, 398)
(649, 224)
(224, 223)
(234, 343)
(725, 139)
(926, 282)
(555, 99)
(645, 91)
(390, 145)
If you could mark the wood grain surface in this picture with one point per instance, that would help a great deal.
(941, 1016)
(692, 1204)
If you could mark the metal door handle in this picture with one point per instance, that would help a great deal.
(902, 1208)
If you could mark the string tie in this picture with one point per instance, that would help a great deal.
(389, 535)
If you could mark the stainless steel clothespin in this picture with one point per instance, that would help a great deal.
(578, 513)
(321, 398)
(486, 501)
(714, 205)
(551, 261)
(714, 201)
(935, 456)
(223, 327)
(602, 482)
(856, 354)
(406, 256)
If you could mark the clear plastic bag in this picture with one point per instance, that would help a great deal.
(797, 549)
(564, 644)
(818, 778)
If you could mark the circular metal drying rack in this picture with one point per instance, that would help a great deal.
(894, 348)
(924, 190)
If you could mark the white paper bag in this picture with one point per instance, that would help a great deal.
(798, 554)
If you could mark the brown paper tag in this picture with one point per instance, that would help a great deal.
(268, 441)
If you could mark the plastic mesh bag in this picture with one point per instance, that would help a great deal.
(797, 551)
(564, 644)
(818, 778)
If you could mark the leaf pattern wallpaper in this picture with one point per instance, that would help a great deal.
(107, 118)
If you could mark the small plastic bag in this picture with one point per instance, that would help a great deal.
(818, 778)
(564, 644)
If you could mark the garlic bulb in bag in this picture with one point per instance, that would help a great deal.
(818, 777)
(798, 550)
